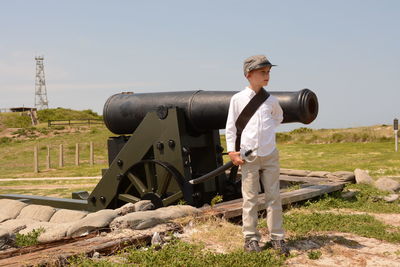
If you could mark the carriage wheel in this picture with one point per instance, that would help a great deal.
(152, 180)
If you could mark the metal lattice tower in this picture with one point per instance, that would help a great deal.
(40, 85)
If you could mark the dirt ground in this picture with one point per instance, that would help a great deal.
(338, 249)
(342, 249)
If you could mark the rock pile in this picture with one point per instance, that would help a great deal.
(57, 224)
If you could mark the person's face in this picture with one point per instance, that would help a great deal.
(259, 77)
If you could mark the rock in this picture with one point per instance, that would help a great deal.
(37, 213)
(7, 238)
(362, 177)
(16, 225)
(318, 174)
(64, 215)
(342, 176)
(156, 240)
(54, 232)
(387, 184)
(91, 222)
(138, 206)
(144, 205)
(127, 208)
(294, 172)
(348, 194)
(145, 219)
(10, 209)
(96, 255)
(35, 226)
(391, 198)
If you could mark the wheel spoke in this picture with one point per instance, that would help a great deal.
(150, 175)
(173, 198)
(128, 198)
(128, 188)
(164, 182)
(140, 187)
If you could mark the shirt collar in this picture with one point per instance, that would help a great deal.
(249, 92)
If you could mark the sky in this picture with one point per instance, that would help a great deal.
(346, 51)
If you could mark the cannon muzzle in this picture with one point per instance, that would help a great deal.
(204, 110)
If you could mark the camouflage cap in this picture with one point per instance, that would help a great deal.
(255, 62)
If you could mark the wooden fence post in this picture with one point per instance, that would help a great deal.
(91, 154)
(77, 154)
(48, 157)
(35, 159)
(61, 157)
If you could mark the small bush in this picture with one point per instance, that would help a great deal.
(215, 200)
(43, 130)
(283, 137)
(58, 127)
(301, 130)
(29, 239)
(5, 140)
(94, 131)
(90, 112)
(20, 132)
(337, 137)
(314, 254)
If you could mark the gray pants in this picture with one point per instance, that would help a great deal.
(269, 167)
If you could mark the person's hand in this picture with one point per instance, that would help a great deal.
(235, 158)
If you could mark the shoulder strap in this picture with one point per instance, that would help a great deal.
(247, 113)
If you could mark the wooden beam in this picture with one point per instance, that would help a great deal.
(233, 208)
(57, 254)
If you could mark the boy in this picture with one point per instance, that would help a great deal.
(259, 135)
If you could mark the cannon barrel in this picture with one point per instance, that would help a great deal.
(204, 110)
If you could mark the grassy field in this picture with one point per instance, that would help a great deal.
(368, 148)
(16, 157)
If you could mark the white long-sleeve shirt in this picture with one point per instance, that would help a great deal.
(260, 130)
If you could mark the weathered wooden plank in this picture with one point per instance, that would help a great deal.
(57, 255)
(233, 208)
(299, 179)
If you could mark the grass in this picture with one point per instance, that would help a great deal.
(365, 200)
(362, 225)
(379, 158)
(325, 136)
(314, 254)
(46, 182)
(56, 192)
(16, 159)
(179, 253)
(29, 239)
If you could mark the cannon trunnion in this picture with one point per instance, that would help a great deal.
(164, 141)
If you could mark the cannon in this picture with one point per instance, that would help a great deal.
(164, 142)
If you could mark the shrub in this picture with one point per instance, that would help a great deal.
(215, 200)
(91, 113)
(337, 137)
(301, 130)
(16, 120)
(5, 140)
(314, 254)
(29, 239)
(283, 137)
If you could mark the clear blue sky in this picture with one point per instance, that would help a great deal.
(346, 51)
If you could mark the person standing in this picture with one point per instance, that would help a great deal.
(259, 114)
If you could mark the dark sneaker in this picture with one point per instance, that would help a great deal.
(280, 246)
(252, 246)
